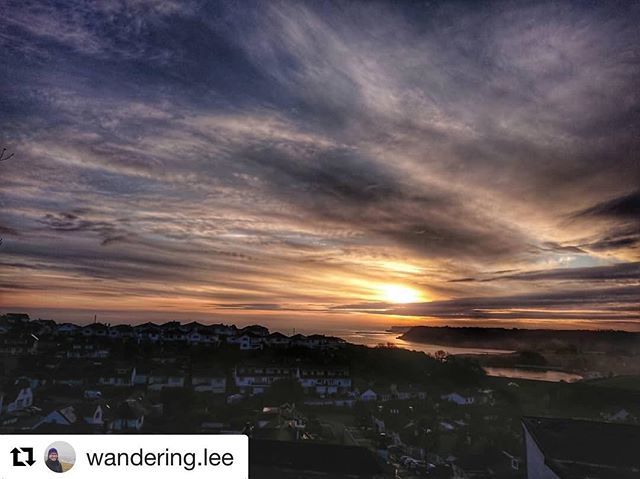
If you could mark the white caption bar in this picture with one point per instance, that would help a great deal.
(129, 456)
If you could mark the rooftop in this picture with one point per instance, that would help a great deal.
(579, 448)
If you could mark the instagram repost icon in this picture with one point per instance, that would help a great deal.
(22, 456)
(60, 456)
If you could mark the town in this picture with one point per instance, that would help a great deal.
(374, 412)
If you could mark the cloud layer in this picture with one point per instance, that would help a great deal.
(286, 156)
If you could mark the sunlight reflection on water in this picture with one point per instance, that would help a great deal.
(375, 338)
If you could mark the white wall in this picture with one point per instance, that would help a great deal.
(536, 468)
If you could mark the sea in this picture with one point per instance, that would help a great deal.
(387, 338)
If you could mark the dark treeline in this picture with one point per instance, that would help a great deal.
(530, 339)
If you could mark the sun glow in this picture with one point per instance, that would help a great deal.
(396, 293)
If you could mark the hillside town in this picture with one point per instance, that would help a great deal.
(396, 413)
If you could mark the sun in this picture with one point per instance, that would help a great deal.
(396, 293)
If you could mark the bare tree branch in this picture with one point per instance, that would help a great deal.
(3, 158)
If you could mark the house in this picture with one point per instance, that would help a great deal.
(459, 399)
(122, 331)
(192, 326)
(67, 329)
(62, 417)
(120, 377)
(128, 416)
(223, 329)
(34, 379)
(558, 448)
(166, 377)
(14, 318)
(369, 395)
(92, 394)
(405, 393)
(277, 340)
(622, 415)
(209, 337)
(84, 348)
(43, 326)
(16, 345)
(203, 336)
(234, 398)
(256, 330)
(257, 379)
(16, 397)
(281, 422)
(96, 330)
(447, 426)
(148, 332)
(515, 462)
(209, 381)
(142, 375)
(325, 380)
(317, 341)
(172, 332)
(247, 341)
(70, 374)
(93, 413)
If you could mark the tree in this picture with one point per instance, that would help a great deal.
(285, 391)
(441, 355)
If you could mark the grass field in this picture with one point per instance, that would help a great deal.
(631, 383)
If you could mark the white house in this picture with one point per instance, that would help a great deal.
(319, 341)
(92, 394)
(255, 330)
(98, 330)
(129, 416)
(209, 382)
(66, 328)
(246, 341)
(459, 399)
(223, 329)
(369, 395)
(325, 380)
(62, 417)
(119, 377)
(148, 332)
(277, 340)
(405, 393)
(171, 332)
(93, 414)
(166, 378)
(16, 397)
(257, 379)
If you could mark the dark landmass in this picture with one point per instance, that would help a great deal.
(540, 340)
(399, 329)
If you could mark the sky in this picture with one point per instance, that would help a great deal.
(318, 165)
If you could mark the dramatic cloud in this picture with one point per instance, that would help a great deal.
(627, 206)
(272, 157)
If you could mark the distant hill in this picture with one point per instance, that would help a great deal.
(527, 339)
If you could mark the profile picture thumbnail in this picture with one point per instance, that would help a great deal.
(60, 456)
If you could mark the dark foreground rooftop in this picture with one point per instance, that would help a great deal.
(578, 448)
